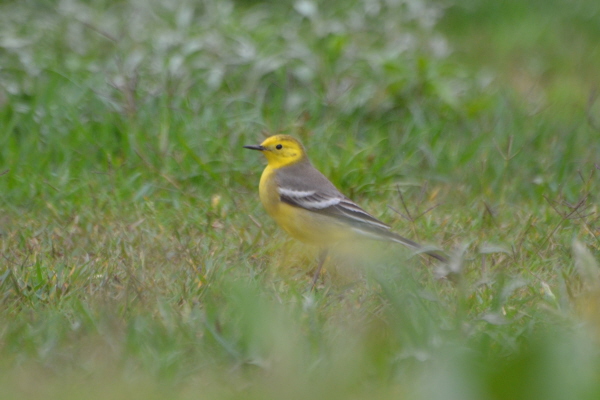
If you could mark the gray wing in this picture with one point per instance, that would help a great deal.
(301, 185)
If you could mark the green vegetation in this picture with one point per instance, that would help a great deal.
(137, 262)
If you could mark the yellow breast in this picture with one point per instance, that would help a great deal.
(304, 225)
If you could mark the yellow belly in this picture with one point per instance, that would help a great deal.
(306, 226)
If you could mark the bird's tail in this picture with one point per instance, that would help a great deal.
(414, 245)
(384, 234)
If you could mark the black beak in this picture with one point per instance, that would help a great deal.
(256, 147)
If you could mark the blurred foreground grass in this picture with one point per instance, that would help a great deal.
(138, 263)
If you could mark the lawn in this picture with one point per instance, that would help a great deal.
(136, 258)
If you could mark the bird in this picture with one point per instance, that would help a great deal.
(309, 207)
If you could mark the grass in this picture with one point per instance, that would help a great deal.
(137, 261)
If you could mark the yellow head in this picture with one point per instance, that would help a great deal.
(281, 150)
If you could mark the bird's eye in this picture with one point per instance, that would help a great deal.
(279, 147)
